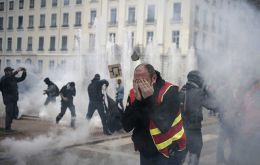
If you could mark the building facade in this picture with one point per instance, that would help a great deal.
(44, 33)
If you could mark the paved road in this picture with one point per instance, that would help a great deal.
(120, 151)
(109, 150)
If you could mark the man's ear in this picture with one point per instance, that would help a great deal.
(154, 78)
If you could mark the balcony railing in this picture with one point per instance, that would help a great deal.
(93, 1)
(112, 24)
(131, 23)
(150, 21)
(90, 24)
(176, 20)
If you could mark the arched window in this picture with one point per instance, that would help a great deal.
(28, 61)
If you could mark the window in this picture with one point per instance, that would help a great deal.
(2, 6)
(31, 4)
(132, 39)
(20, 22)
(66, 2)
(93, 14)
(213, 22)
(131, 15)
(92, 41)
(10, 22)
(28, 61)
(78, 1)
(113, 16)
(51, 64)
(9, 43)
(205, 20)
(40, 65)
(41, 43)
(197, 15)
(64, 41)
(54, 3)
(52, 43)
(43, 3)
(112, 37)
(195, 40)
(19, 44)
(21, 2)
(1, 23)
(29, 44)
(177, 11)
(78, 19)
(8, 62)
(149, 37)
(204, 39)
(42, 21)
(11, 5)
(65, 19)
(151, 13)
(30, 26)
(53, 20)
(63, 63)
(18, 62)
(1, 44)
(176, 38)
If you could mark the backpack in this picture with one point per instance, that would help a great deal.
(57, 91)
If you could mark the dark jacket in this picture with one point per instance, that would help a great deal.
(95, 90)
(193, 98)
(138, 115)
(9, 87)
(52, 89)
(68, 93)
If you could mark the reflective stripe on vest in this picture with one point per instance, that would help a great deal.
(175, 134)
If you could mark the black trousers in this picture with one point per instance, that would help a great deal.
(194, 141)
(120, 101)
(93, 105)
(64, 106)
(12, 112)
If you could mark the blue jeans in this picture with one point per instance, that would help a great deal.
(176, 159)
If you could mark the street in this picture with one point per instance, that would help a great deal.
(110, 150)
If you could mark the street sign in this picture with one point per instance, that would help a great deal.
(115, 70)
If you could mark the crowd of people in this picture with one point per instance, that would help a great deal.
(165, 120)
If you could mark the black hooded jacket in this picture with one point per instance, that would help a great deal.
(9, 87)
(95, 90)
(138, 115)
(194, 97)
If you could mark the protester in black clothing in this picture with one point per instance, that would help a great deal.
(52, 91)
(152, 112)
(67, 92)
(10, 94)
(96, 101)
(193, 97)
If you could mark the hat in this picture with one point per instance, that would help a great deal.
(196, 77)
(8, 69)
(46, 79)
(97, 76)
(72, 84)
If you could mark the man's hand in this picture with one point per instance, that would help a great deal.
(21, 69)
(44, 92)
(146, 89)
(136, 91)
